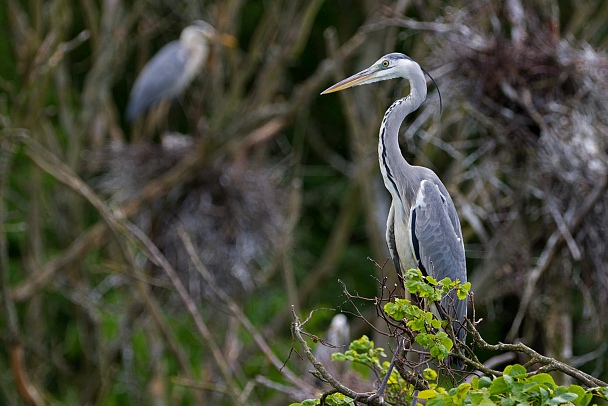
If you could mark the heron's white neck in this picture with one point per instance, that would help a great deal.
(198, 50)
(393, 165)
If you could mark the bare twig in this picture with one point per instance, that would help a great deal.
(122, 227)
(184, 171)
(549, 364)
(551, 248)
(238, 313)
(28, 392)
(296, 328)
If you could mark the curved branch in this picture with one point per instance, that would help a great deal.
(323, 374)
(549, 364)
(552, 247)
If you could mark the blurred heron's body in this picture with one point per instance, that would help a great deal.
(170, 70)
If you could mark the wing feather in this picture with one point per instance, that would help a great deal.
(160, 79)
(392, 244)
(437, 244)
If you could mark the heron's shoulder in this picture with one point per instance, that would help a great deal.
(170, 49)
(429, 182)
(423, 174)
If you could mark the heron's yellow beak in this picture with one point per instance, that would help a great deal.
(365, 76)
(227, 40)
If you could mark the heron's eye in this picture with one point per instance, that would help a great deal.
(385, 63)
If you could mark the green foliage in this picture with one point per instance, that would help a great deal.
(429, 288)
(423, 322)
(335, 399)
(361, 351)
(515, 387)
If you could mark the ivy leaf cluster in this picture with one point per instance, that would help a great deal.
(514, 387)
(422, 322)
(361, 351)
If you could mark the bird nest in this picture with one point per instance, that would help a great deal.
(538, 106)
(235, 219)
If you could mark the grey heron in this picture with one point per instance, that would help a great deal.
(173, 68)
(423, 229)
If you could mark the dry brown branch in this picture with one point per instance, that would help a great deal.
(323, 374)
(263, 134)
(94, 237)
(161, 322)
(180, 174)
(236, 312)
(26, 389)
(29, 393)
(549, 364)
(554, 243)
(131, 233)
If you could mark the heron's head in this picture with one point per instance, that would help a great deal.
(390, 66)
(200, 31)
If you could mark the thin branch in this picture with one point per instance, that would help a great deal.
(26, 389)
(236, 311)
(551, 249)
(181, 173)
(296, 328)
(117, 222)
(550, 364)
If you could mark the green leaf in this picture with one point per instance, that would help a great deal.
(461, 393)
(437, 401)
(543, 378)
(307, 402)
(338, 356)
(446, 282)
(563, 398)
(485, 382)
(436, 324)
(498, 386)
(516, 371)
(462, 294)
(583, 398)
(429, 374)
(427, 394)
(480, 399)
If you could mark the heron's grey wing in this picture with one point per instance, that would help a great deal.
(438, 244)
(160, 79)
(390, 241)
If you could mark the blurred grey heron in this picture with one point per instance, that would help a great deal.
(173, 68)
(423, 230)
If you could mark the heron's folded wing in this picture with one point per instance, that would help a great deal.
(160, 79)
(437, 244)
(390, 240)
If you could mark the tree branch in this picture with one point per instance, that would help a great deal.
(550, 364)
(323, 374)
(551, 249)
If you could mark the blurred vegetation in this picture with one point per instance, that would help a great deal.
(133, 273)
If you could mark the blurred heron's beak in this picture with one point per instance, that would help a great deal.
(361, 78)
(227, 40)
